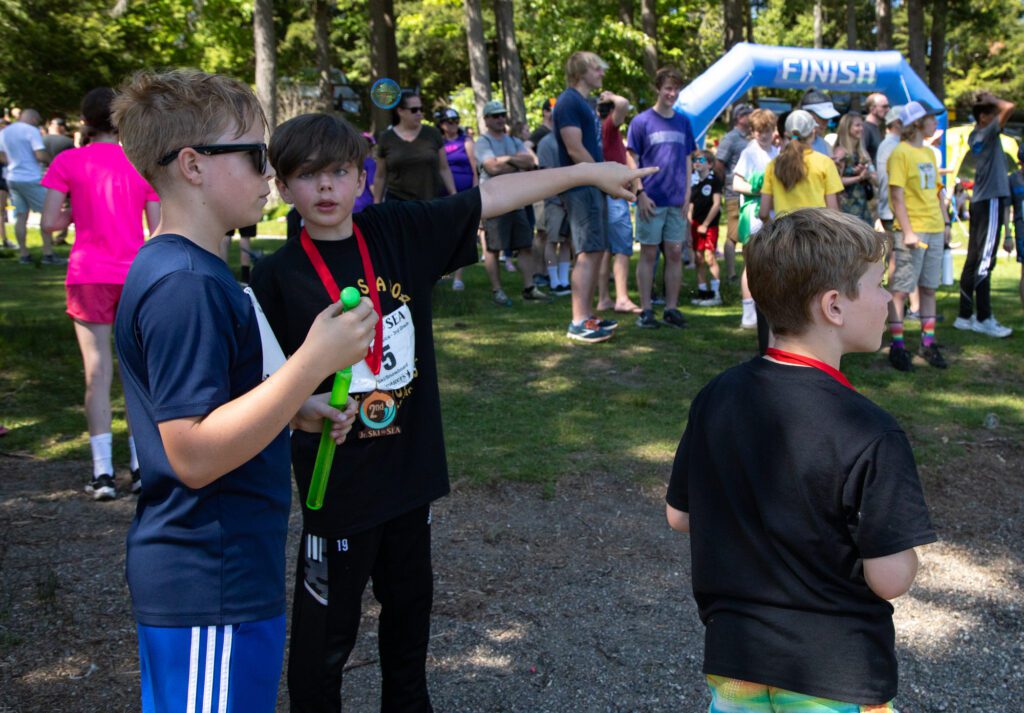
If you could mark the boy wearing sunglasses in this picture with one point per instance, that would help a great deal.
(375, 520)
(205, 551)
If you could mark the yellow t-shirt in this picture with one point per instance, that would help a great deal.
(822, 179)
(913, 169)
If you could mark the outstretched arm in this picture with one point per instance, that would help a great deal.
(506, 193)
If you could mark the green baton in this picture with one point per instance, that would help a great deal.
(338, 399)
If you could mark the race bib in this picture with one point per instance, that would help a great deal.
(398, 356)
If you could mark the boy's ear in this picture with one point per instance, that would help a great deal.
(187, 162)
(282, 188)
(831, 309)
(361, 185)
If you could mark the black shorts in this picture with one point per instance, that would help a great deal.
(508, 232)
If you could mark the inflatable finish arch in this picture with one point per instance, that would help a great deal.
(748, 65)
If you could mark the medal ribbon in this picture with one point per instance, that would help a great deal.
(791, 358)
(375, 353)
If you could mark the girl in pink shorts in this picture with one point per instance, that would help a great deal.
(108, 200)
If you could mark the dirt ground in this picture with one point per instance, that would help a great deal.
(576, 601)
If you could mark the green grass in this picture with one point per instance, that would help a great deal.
(522, 402)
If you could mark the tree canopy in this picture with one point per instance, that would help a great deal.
(53, 51)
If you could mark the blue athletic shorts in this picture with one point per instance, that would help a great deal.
(221, 669)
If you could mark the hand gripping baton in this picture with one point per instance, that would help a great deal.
(338, 399)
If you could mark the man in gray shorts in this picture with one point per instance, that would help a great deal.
(497, 153)
(22, 149)
(661, 137)
(579, 141)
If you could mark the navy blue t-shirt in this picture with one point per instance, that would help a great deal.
(572, 109)
(188, 342)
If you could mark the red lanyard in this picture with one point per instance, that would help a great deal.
(791, 358)
(376, 350)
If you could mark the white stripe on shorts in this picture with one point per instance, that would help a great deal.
(990, 241)
(193, 670)
(211, 654)
(225, 671)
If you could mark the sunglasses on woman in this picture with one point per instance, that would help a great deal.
(257, 152)
(413, 109)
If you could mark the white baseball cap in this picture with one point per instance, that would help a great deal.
(911, 112)
(801, 124)
(823, 109)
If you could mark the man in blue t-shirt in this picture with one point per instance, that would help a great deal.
(662, 137)
(578, 133)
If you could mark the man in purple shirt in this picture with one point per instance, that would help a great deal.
(661, 137)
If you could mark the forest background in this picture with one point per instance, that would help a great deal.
(324, 54)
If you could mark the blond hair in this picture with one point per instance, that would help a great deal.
(909, 131)
(853, 147)
(798, 256)
(158, 113)
(763, 120)
(578, 64)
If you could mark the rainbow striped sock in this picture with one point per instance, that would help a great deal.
(927, 331)
(896, 331)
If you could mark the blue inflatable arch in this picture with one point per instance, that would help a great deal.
(748, 65)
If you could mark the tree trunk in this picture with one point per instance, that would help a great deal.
(649, 23)
(748, 16)
(818, 22)
(626, 9)
(265, 42)
(733, 16)
(511, 69)
(851, 24)
(322, 31)
(937, 61)
(383, 55)
(479, 73)
(915, 36)
(883, 23)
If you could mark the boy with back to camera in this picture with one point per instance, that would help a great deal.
(205, 560)
(800, 536)
(375, 521)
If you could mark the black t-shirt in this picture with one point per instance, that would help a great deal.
(539, 133)
(413, 167)
(817, 479)
(702, 197)
(872, 140)
(393, 459)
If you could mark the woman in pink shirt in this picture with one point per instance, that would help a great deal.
(108, 200)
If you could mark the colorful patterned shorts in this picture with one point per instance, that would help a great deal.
(730, 695)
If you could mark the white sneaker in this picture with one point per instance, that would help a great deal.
(711, 302)
(968, 325)
(990, 327)
(458, 285)
(749, 322)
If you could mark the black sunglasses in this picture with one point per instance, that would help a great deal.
(497, 116)
(257, 152)
(413, 109)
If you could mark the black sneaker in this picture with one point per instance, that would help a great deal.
(933, 356)
(674, 318)
(533, 294)
(54, 260)
(101, 487)
(136, 482)
(701, 296)
(900, 359)
(541, 280)
(647, 320)
(561, 290)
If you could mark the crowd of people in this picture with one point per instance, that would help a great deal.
(798, 613)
